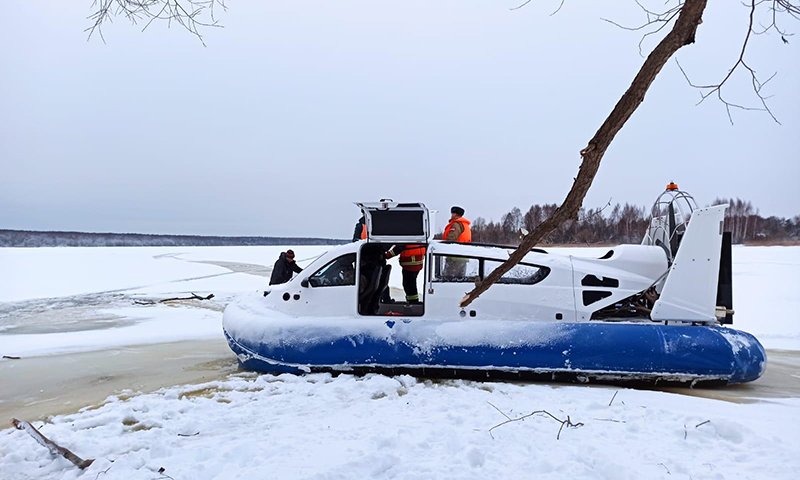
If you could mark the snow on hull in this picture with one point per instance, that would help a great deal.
(269, 341)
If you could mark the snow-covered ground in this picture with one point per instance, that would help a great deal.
(288, 427)
(262, 426)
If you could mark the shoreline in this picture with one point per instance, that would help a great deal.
(39, 387)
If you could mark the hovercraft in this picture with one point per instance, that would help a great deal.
(655, 312)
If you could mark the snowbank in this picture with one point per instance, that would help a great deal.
(317, 426)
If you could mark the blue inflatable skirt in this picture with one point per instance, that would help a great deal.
(268, 341)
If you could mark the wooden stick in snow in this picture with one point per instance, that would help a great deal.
(193, 297)
(54, 448)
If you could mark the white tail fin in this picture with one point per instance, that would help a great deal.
(690, 291)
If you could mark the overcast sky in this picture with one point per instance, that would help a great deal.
(295, 110)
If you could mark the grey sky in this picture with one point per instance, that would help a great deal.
(297, 109)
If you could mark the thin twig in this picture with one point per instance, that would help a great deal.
(609, 420)
(567, 422)
(612, 398)
(104, 471)
(501, 412)
(559, 8)
(520, 6)
(653, 18)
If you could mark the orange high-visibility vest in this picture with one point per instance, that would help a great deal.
(466, 235)
(412, 257)
(364, 231)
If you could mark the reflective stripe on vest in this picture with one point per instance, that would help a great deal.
(412, 258)
(466, 235)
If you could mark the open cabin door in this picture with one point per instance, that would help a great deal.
(388, 224)
(396, 223)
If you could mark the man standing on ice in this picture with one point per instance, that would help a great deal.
(284, 266)
(457, 230)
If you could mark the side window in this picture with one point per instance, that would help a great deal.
(455, 269)
(520, 274)
(336, 273)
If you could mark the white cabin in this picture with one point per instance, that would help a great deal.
(626, 283)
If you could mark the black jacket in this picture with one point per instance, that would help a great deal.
(282, 272)
(359, 228)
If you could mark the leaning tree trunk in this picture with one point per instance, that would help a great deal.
(682, 33)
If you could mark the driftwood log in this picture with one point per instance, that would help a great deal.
(164, 300)
(682, 33)
(193, 297)
(54, 448)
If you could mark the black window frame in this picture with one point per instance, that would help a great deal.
(320, 269)
(482, 269)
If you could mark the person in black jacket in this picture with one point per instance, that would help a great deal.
(284, 266)
(360, 232)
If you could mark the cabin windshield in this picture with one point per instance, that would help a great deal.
(336, 273)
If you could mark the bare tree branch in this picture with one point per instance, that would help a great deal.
(776, 7)
(653, 18)
(188, 14)
(682, 33)
(529, 1)
(708, 90)
(559, 8)
(520, 5)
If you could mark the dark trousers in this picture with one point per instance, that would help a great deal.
(410, 285)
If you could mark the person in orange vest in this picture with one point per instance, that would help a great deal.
(411, 261)
(457, 230)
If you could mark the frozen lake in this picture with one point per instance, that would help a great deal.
(58, 300)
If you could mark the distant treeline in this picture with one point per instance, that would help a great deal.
(24, 238)
(611, 224)
(627, 223)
